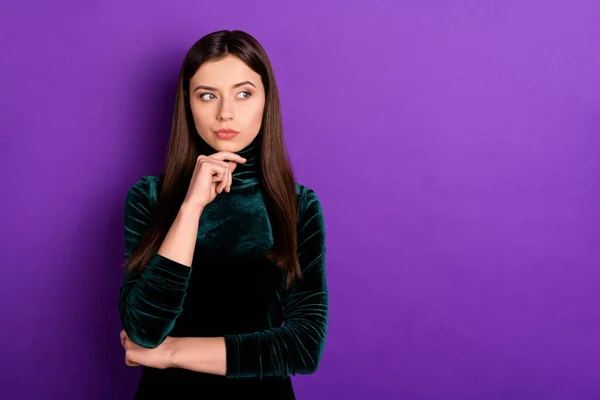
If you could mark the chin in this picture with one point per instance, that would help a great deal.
(228, 145)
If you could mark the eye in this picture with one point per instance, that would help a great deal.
(202, 96)
(248, 94)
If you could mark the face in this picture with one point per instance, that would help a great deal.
(227, 94)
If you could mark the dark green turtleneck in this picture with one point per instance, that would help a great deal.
(232, 290)
(247, 174)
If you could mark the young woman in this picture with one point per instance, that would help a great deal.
(224, 291)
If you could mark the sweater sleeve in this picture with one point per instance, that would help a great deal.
(150, 301)
(295, 347)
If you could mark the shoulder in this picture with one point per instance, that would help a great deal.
(144, 190)
(309, 205)
(306, 197)
(310, 223)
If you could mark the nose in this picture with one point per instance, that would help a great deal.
(225, 110)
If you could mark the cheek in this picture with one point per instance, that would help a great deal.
(256, 114)
(201, 115)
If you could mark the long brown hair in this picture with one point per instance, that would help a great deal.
(278, 183)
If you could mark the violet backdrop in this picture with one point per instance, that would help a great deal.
(454, 145)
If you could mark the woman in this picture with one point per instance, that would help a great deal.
(224, 291)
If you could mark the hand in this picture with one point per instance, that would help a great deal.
(158, 357)
(212, 175)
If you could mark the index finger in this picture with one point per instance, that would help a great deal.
(226, 155)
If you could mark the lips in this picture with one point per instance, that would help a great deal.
(226, 133)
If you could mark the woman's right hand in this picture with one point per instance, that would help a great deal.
(212, 175)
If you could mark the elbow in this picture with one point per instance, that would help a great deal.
(142, 339)
(142, 332)
(311, 367)
(310, 364)
(309, 360)
(307, 368)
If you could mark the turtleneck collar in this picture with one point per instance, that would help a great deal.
(244, 175)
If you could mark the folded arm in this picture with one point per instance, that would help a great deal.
(150, 301)
(295, 347)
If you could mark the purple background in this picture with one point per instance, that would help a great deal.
(454, 146)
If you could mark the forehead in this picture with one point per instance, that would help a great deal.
(224, 73)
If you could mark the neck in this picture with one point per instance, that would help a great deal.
(244, 175)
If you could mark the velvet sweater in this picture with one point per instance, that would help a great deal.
(231, 290)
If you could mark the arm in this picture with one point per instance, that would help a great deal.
(294, 348)
(151, 301)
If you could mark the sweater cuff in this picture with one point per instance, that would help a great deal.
(241, 365)
(232, 350)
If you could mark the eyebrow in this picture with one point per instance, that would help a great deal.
(234, 86)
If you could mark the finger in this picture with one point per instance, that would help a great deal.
(226, 155)
(226, 178)
(224, 174)
(230, 181)
(220, 170)
(232, 165)
(232, 168)
(223, 182)
(227, 164)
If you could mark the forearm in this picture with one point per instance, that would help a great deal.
(151, 302)
(294, 348)
(201, 354)
(180, 241)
